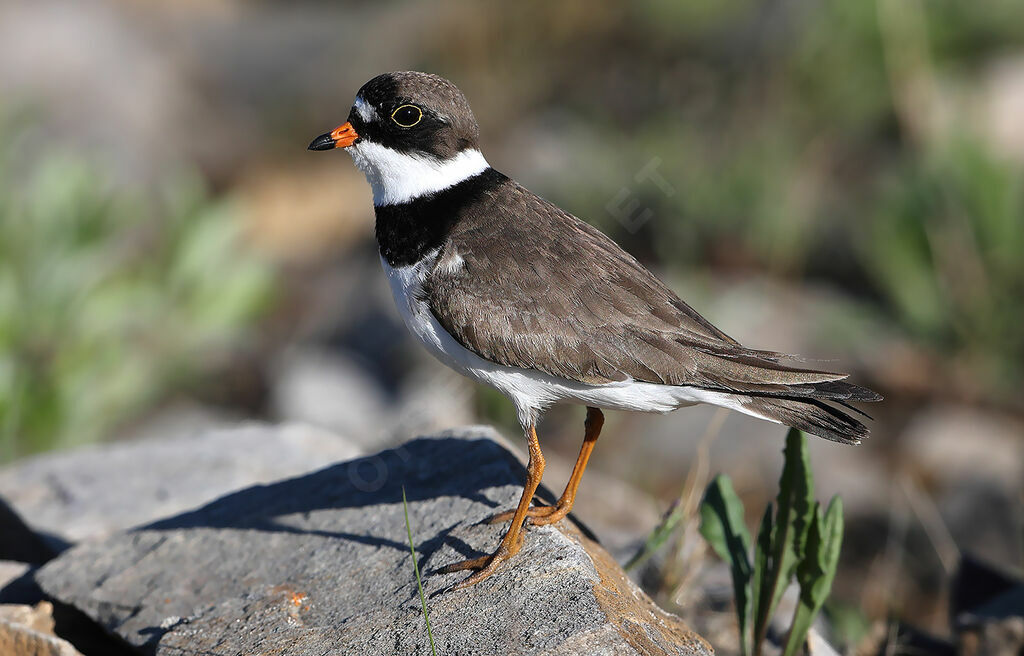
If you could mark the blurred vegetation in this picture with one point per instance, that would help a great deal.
(944, 244)
(109, 296)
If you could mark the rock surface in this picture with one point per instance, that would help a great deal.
(17, 585)
(320, 564)
(11, 570)
(94, 491)
(308, 384)
(28, 631)
(331, 389)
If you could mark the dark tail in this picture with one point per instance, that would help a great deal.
(760, 385)
(807, 407)
(815, 417)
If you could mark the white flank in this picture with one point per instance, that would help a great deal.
(531, 391)
(365, 110)
(397, 177)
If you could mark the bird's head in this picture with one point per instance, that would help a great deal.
(411, 134)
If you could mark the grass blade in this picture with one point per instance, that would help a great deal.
(658, 536)
(416, 569)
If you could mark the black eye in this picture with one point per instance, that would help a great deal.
(407, 115)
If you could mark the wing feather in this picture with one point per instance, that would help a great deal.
(540, 289)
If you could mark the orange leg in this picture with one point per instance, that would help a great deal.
(513, 540)
(542, 515)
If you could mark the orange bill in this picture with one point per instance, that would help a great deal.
(342, 136)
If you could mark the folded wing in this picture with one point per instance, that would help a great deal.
(535, 287)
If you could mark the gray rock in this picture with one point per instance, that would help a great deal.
(177, 418)
(94, 491)
(973, 462)
(320, 564)
(327, 389)
(431, 398)
(953, 445)
(12, 571)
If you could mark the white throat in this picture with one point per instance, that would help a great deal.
(397, 177)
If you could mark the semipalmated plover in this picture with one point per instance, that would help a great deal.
(515, 292)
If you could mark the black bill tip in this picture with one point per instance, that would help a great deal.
(323, 142)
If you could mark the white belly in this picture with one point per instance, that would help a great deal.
(531, 391)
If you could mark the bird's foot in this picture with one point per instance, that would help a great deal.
(538, 515)
(484, 565)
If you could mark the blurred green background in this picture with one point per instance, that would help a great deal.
(839, 179)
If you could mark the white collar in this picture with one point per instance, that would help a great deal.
(397, 177)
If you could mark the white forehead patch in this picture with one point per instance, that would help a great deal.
(365, 110)
(397, 177)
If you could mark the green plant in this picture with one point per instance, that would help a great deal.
(943, 246)
(110, 296)
(416, 571)
(794, 540)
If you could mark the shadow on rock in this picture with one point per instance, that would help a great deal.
(426, 468)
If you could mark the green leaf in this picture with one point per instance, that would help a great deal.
(827, 546)
(795, 503)
(816, 571)
(763, 577)
(796, 508)
(722, 526)
(796, 492)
